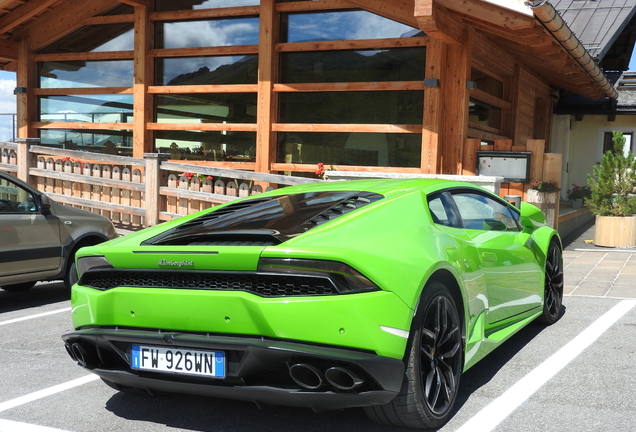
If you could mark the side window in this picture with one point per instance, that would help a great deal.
(438, 213)
(443, 210)
(481, 212)
(14, 199)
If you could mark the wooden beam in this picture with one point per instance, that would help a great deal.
(491, 13)
(455, 95)
(351, 44)
(25, 102)
(266, 99)
(350, 86)
(326, 127)
(205, 13)
(24, 13)
(143, 78)
(8, 50)
(315, 5)
(433, 114)
(146, 3)
(64, 19)
(100, 55)
(437, 22)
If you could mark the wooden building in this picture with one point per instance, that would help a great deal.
(415, 86)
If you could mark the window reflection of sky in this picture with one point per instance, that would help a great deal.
(174, 67)
(110, 73)
(123, 42)
(210, 33)
(348, 25)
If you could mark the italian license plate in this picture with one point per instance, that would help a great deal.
(178, 361)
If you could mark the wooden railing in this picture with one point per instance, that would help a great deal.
(132, 192)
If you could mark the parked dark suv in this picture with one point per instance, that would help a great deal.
(39, 237)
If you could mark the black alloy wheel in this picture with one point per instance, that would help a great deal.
(435, 359)
(553, 287)
(440, 355)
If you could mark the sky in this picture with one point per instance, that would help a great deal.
(7, 105)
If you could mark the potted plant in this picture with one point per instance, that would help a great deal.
(612, 200)
(543, 194)
(578, 194)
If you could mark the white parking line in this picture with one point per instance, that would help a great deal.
(12, 426)
(46, 392)
(43, 314)
(494, 413)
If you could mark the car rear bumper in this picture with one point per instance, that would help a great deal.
(258, 369)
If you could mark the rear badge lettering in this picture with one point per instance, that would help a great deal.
(164, 262)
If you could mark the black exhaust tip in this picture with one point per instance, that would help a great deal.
(81, 356)
(69, 350)
(342, 379)
(307, 376)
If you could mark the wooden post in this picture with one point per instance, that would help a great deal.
(455, 95)
(143, 74)
(25, 159)
(433, 101)
(265, 148)
(153, 183)
(25, 98)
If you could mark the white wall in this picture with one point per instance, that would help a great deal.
(581, 144)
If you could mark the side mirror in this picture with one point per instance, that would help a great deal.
(45, 204)
(531, 216)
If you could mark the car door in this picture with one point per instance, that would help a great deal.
(29, 240)
(514, 278)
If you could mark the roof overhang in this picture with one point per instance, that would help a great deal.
(533, 33)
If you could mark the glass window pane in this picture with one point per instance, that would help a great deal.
(97, 38)
(172, 5)
(358, 148)
(390, 107)
(397, 64)
(207, 70)
(91, 109)
(342, 25)
(15, 199)
(76, 74)
(207, 33)
(484, 114)
(484, 213)
(206, 108)
(205, 145)
(117, 142)
(487, 83)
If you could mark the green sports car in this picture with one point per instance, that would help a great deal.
(370, 293)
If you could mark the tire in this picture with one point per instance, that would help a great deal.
(70, 278)
(435, 359)
(19, 287)
(553, 286)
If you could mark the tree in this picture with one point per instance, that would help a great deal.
(613, 182)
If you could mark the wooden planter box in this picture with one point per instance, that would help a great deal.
(615, 231)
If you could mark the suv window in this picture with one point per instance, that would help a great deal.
(15, 199)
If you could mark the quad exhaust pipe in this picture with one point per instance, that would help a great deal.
(342, 379)
(78, 353)
(312, 378)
